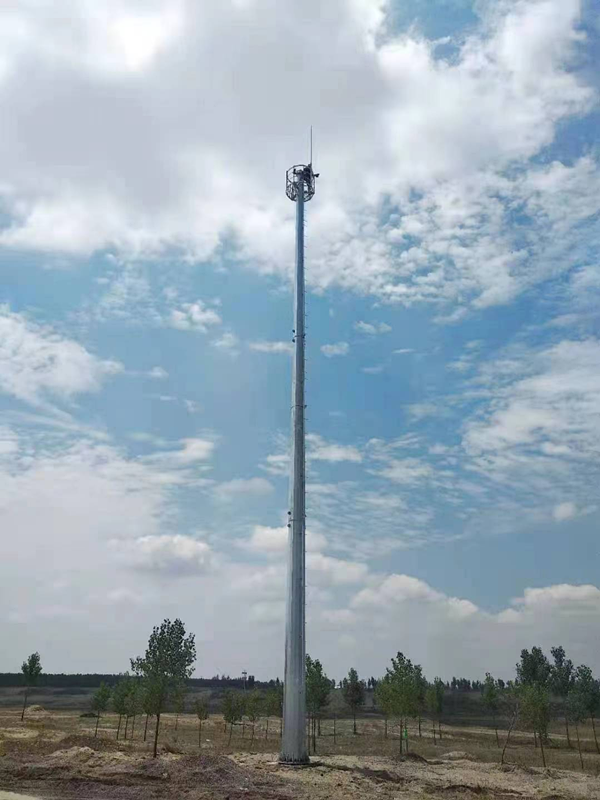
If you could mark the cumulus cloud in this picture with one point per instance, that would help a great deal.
(372, 329)
(191, 451)
(183, 181)
(167, 555)
(406, 470)
(271, 347)
(229, 490)
(274, 541)
(227, 343)
(338, 349)
(37, 363)
(564, 511)
(319, 449)
(194, 317)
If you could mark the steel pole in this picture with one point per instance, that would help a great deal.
(293, 744)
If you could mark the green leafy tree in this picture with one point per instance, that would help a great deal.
(511, 703)
(233, 709)
(576, 713)
(434, 700)
(491, 700)
(385, 700)
(133, 704)
(589, 691)
(166, 666)
(254, 707)
(535, 711)
(147, 706)
(120, 699)
(273, 706)
(178, 705)
(562, 679)
(421, 689)
(201, 709)
(100, 701)
(31, 669)
(534, 668)
(318, 688)
(353, 691)
(404, 691)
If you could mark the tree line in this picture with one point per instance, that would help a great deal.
(160, 678)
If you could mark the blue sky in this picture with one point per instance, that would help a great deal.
(453, 341)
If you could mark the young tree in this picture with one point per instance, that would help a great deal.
(385, 700)
(120, 699)
(201, 709)
(31, 669)
(254, 709)
(233, 709)
(534, 668)
(318, 687)
(166, 666)
(273, 706)
(576, 713)
(421, 688)
(100, 700)
(512, 702)
(491, 700)
(535, 711)
(403, 691)
(589, 691)
(133, 704)
(353, 691)
(147, 706)
(178, 705)
(562, 678)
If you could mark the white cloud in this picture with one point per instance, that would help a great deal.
(183, 184)
(549, 397)
(271, 347)
(372, 329)
(228, 343)
(564, 511)
(158, 373)
(36, 363)
(376, 370)
(337, 349)
(192, 451)
(418, 411)
(167, 555)
(407, 471)
(319, 449)
(274, 541)
(194, 317)
(324, 570)
(229, 490)
(403, 351)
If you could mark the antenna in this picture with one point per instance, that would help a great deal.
(310, 160)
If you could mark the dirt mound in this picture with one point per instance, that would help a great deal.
(78, 771)
(457, 755)
(94, 743)
(36, 713)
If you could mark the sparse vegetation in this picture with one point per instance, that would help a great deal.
(353, 690)
(31, 669)
(166, 666)
(201, 710)
(100, 702)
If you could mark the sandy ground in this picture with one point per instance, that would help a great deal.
(55, 756)
(83, 767)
